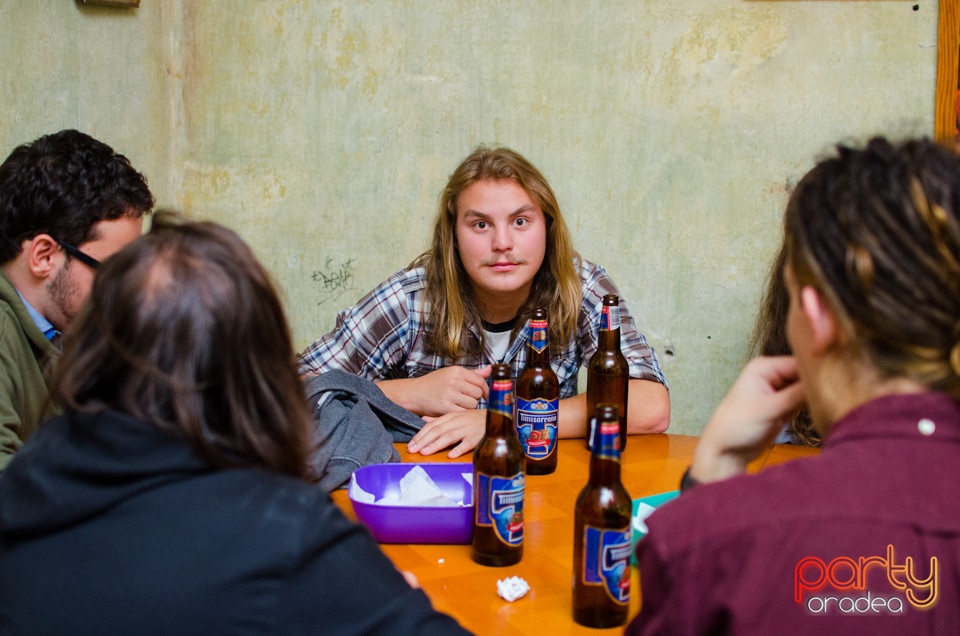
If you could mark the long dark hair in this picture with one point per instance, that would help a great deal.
(770, 339)
(183, 329)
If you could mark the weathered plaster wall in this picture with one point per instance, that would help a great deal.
(100, 70)
(323, 131)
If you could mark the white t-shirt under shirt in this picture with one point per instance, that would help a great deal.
(498, 337)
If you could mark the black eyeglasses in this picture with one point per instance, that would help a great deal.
(84, 258)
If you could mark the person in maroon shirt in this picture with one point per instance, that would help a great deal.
(865, 537)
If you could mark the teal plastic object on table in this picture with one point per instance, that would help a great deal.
(654, 501)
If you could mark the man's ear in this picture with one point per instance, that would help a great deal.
(44, 255)
(824, 324)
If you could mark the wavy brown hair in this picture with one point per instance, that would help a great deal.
(770, 338)
(876, 231)
(183, 329)
(556, 286)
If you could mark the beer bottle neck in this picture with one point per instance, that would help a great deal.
(498, 424)
(605, 457)
(537, 358)
(500, 408)
(609, 334)
(538, 349)
(609, 339)
(604, 471)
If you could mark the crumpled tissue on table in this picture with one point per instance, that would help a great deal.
(416, 489)
(512, 588)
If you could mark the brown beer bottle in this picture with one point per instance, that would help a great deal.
(538, 398)
(608, 373)
(498, 480)
(602, 533)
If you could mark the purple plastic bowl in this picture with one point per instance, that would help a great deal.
(416, 524)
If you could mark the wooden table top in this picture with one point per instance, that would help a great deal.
(467, 591)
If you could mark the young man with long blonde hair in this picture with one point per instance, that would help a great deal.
(429, 333)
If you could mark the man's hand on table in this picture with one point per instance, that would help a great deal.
(765, 396)
(440, 392)
(465, 427)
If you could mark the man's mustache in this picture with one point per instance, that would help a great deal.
(513, 260)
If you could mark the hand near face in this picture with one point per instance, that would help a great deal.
(765, 396)
(463, 428)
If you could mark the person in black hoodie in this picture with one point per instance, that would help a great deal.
(173, 495)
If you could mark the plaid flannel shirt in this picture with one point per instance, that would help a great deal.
(381, 336)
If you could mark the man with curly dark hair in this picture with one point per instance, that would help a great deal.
(67, 202)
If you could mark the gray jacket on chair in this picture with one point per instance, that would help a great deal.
(356, 425)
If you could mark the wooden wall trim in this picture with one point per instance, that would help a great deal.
(948, 45)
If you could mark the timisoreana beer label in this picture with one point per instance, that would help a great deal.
(606, 560)
(608, 441)
(501, 397)
(537, 335)
(609, 318)
(537, 426)
(500, 504)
